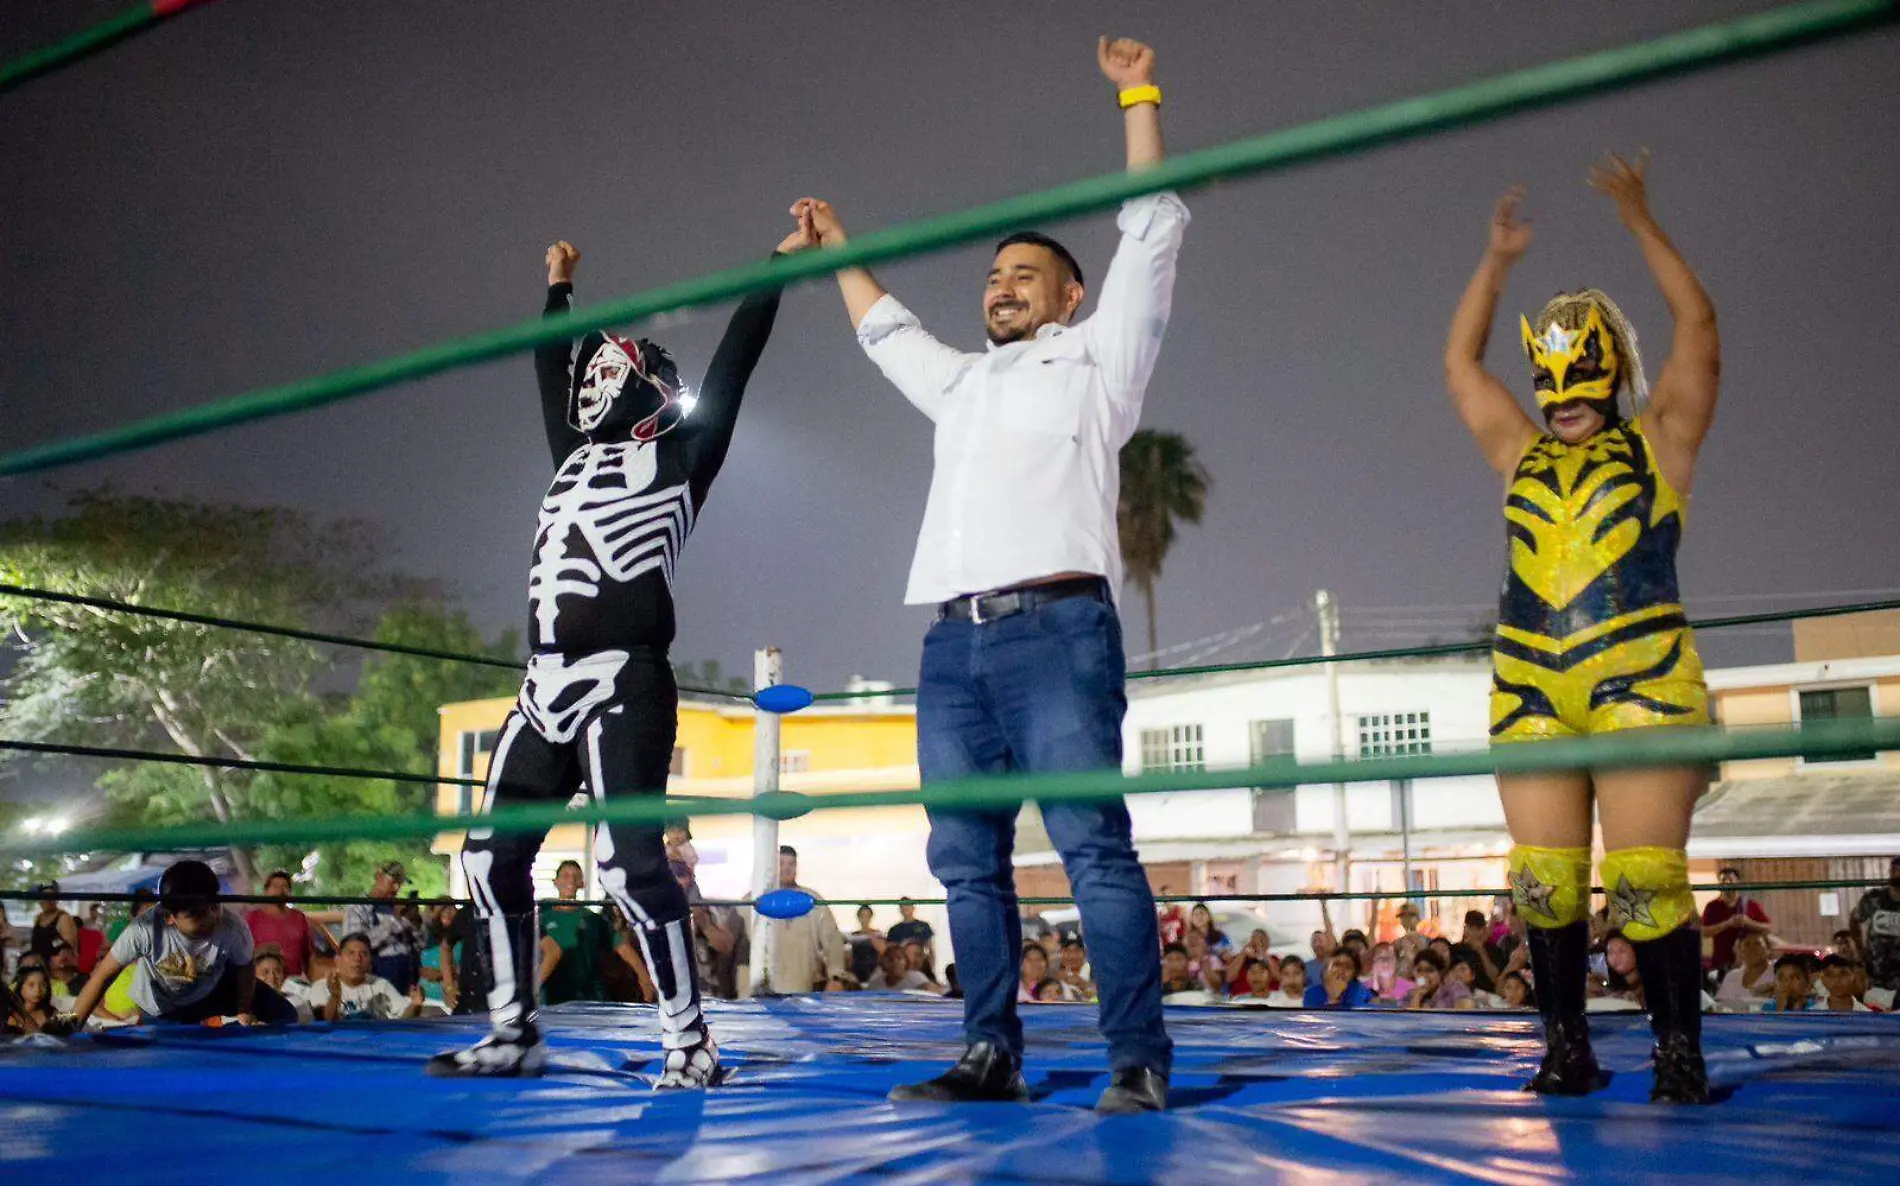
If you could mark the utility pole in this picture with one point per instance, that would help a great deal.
(1326, 608)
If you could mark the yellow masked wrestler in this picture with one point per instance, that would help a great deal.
(1591, 634)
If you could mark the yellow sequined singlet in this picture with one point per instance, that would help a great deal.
(1591, 632)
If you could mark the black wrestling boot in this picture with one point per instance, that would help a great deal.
(984, 1074)
(1560, 962)
(1671, 968)
(1136, 1089)
(513, 1049)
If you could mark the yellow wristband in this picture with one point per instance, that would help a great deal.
(1141, 94)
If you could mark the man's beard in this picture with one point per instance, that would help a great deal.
(1003, 337)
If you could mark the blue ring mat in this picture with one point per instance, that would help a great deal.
(1258, 1096)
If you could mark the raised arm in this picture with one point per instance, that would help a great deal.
(553, 360)
(860, 289)
(1136, 297)
(1682, 400)
(1130, 65)
(916, 363)
(716, 413)
(1485, 404)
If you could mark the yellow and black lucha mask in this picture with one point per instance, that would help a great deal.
(1575, 355)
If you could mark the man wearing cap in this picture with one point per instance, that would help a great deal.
(394, 942)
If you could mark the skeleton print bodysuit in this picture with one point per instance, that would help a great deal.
(598, 708)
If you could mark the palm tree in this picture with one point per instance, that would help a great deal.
(1162, 484)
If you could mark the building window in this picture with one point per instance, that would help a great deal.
(1175, 748)
(1838, 704)
(476, 744)
(1393, 734)
(677, 767)
(1270, 739)
(794, 761)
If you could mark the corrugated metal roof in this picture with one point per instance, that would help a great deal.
(1809, 804)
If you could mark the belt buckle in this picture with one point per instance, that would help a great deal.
(976, 609)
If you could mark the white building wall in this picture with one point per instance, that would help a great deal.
(1225, 707)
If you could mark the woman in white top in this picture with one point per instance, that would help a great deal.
(1753, 980)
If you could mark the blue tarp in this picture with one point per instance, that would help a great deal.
(1257, 1096)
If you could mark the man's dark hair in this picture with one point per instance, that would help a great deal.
(1836, 960)
(1475, 918)
(274, 874)
(1726, 870)
(1353, 933)
(1173, 947)
(562, 867)
(267, 952)
(187, 888)
(1429, 959)
(1250, 963)
(786, 850)
(863, 906)
(1794, 960)
(1071, 941)
(355, 937)
(1038, 239)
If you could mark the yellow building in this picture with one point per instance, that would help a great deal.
(844, 855)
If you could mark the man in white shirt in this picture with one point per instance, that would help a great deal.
(1019, 552)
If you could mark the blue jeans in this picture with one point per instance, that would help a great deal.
(1039, 691)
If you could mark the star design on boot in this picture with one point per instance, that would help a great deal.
(1629, 904)
(1532, 894)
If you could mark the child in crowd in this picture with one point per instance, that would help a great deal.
(1388, 987)
(268, 966)
(1515, 991)
(1435, 988)
(1050, 991)
(1840, 978)
(1794, 986)
(30, 1009)
(1341, 987)
(1174, 970)
(1292, 991)
(190, 961)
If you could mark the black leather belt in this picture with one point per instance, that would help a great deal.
(1002, 603)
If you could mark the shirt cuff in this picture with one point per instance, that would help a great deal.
(883, 319)
(1141, 217)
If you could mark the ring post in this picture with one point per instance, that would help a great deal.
(768, 666)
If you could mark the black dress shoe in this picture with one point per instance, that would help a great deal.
(983, 1075)
(1137, 1089)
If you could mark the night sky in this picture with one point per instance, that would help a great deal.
(259, 191)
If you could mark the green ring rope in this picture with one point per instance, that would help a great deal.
(1632, 748)
(87, 42)
(1184, 899)
(1520, 90)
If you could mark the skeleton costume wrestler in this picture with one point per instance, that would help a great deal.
(598, 708)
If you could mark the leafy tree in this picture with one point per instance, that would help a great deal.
(96, 677)
(389, 723)
(709, 674)
(1162, 483)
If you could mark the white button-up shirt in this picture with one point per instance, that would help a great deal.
(1029, 434)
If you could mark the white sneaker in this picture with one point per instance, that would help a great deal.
(496, 1056)
(692, 1066)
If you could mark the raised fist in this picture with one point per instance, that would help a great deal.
(1126, 62)
(562, 260)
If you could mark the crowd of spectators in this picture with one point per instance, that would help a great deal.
(389, 959)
